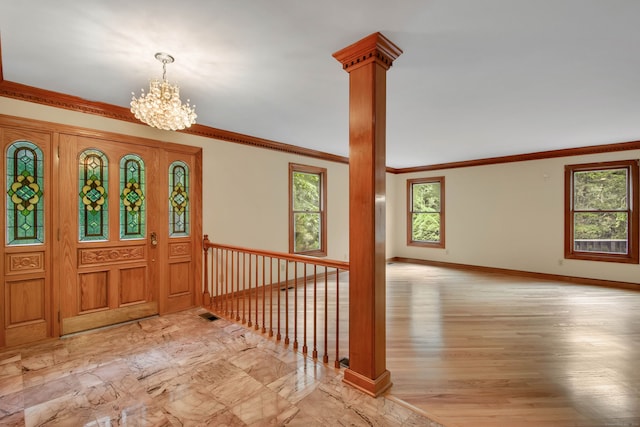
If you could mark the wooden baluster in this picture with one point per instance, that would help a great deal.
(295, 307)
(257, 325)
(206, 297)
(223, 280)
(304, 312)
(232, 272)
(337, 361)
(315, 311)
(215, 275)
(249, 275)
(226, 282)
(270, 297)
(244, 285)
(237, 287)
(286, 305)
(325, 357)
(264, 295)
(278, 336)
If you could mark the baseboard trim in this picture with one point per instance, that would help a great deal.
(542, 276)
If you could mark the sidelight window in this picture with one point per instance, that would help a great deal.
(178, 199)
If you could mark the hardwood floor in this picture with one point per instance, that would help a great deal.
(478, 349)
(488, 349)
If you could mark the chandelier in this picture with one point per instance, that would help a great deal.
(161, 107)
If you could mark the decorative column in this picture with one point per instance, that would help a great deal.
(367, 62)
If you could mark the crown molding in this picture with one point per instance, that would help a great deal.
(69, 102)
(54, 99)
(540, 155)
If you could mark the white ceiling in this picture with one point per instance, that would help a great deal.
(477, 79)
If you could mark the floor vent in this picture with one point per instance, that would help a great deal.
(210, 317)
(344, 362)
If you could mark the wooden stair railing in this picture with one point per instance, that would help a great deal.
(291, 296)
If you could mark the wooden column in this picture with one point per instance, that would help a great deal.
(367, 62)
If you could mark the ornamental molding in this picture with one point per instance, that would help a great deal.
(373, 48)
(99, 256)
(26, 262)
(179, 249)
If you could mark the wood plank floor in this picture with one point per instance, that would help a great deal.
(479, 349)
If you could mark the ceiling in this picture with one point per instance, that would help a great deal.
(477, 79)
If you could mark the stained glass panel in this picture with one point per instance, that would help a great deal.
(132, 197)
(25, 194)
(93, 201)
(178, 199)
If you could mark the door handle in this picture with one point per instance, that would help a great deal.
(154, 239)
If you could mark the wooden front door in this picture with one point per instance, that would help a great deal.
(120, 258)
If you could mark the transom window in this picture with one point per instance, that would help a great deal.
(307, 210)
(601, 211)
(425, 212)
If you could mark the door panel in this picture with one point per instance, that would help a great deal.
(108, 268)
(133, 285)
(25, 221)
(179, 231)
(93, 291)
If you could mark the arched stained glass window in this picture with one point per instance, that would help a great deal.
(93, 202)
(132, 197)
(178, 199)
(25, 194)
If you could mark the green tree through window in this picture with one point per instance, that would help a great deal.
(307, 217)
(425, 220)
(601, 217)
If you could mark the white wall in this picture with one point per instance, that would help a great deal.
(507, 216)
(503, 216)
(245, 189)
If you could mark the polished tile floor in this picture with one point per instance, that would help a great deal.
(181, 370)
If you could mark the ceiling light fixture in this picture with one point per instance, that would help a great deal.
(161, 107)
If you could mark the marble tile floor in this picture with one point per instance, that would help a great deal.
(181, 370)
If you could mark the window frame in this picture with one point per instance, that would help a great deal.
(410, 212)
(293, 168)
(633, 233)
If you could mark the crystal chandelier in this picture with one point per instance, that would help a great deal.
(161, 107)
